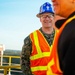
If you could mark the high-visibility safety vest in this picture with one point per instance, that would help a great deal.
(41, 53)
(55, 60)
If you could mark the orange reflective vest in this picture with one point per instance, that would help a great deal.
(55, 69)
(41, 53)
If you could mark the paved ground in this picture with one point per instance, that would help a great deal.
(2, 74)
(11, 74)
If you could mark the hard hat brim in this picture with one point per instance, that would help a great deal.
(39, 15)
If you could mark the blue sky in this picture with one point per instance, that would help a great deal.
(17, 20)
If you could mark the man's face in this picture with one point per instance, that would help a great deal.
(62, 7)
(47, 20)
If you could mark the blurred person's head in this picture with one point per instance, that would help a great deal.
(63, 7)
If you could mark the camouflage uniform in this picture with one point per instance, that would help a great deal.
(27, 49)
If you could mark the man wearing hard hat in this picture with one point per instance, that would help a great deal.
(36, 51)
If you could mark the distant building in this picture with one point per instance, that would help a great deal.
(2, 48)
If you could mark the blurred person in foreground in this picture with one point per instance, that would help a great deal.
(36, 51)
(64, 43)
